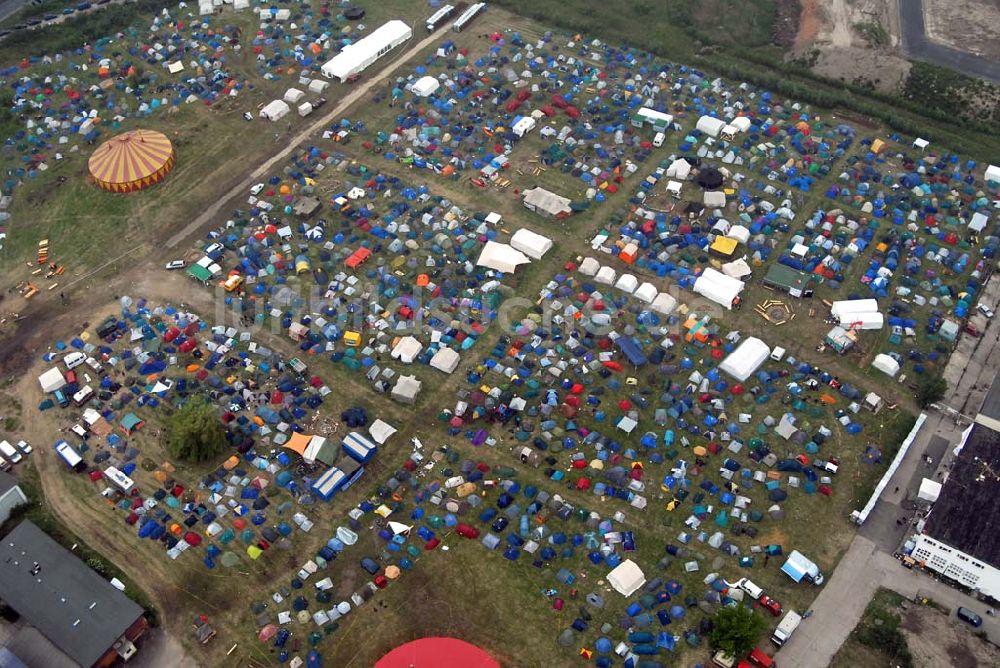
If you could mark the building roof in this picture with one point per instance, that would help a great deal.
(967, 511)
(7, 482)
(74, 607)
(989, 413)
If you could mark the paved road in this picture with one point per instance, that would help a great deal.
(238, 193)
(11, 7)
(868, 563)
(917, 45)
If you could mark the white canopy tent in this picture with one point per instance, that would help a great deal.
(737, 268)
(626, 578)
(407, 349)
(52, 380)
(275, 110)
(446, 360)
(605, 276)
(740, 233)
(844, 310)
(746, 359)
(715, 199)
(710, 125)
(929, 491)
(664, 304)
(531, 244)
(589, 266)
(718, 287)
(646, 292)
(406, 389)
(381, 431)
(425, 86)
(354, 58)
(679, 169)
(886, 365)
(992, 174)
(501, 257)
(627, 283)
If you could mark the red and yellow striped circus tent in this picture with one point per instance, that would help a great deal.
(132, 161)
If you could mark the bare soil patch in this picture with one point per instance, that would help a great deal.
(966, 25)
(939, 642)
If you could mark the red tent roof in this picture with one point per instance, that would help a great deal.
(437, 653)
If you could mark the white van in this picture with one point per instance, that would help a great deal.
(73, 360)
(777, 353)
(750, 588)
(8, 451)
(658, 139)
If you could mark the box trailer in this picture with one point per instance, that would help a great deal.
(799, 568)
(439, 17)
(121, 481)
(355, 58)
(70, 456)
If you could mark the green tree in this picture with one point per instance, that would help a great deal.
(930, 389)
(195, 432)
(736, 630)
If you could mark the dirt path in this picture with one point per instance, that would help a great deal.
(238, 191)
(809, 23)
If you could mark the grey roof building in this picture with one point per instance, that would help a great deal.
(76, 609)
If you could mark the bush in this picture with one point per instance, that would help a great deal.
(736, 630)
(930, 388)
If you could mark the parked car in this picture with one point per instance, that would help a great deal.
(985, 310)
(256, 190)
(24, 447)
(175, 264)
(771, 605)
(969, 617)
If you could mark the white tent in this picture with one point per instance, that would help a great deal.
(929, 491)
(664, 304)
(710, 125)
(739, 233)
(381, 431)
(275, 110)
(864, 321)
(978, 222)
(646, 292)
(741, 123)
(589, 266)
(845, 309)
(606, 276)
(531, 244)
(52, 380)
(718, 287)
(241, 4)
(406, 389)
(501, 257)
(746, 359)
(674, 188)
(992, 174)
(355, 58)
(425, 86)
(715, 199)
(407, 349)
(679, 169)
(627, 283)
(318, 85)
(886, 365)
(737, 268)
(293, 95)
(626, 578)
(446, 360)
(313, 449)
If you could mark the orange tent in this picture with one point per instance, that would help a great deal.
(298, 442)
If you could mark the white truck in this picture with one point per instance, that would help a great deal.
(750, 588)
(786, 628)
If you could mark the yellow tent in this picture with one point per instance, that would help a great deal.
(724, 246)
(254, 552)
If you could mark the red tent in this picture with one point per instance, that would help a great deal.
(192, 539)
